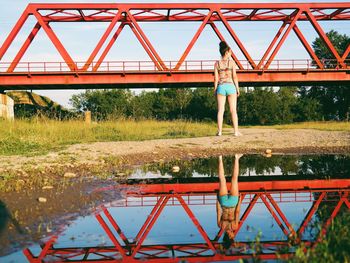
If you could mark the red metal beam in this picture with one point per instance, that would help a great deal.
(146, 47)
(60, 48)
(324, 37)
(272, 44)
(76, 80)
(116, 226)
(196, 223)
(346, 53)
(108, 47)
(221, 37)
(43, 253)
(281, 214)
(149, 227)
(193, 41)
(310, 214)
(272, 212)
(24, 47)
(147, 42)
(62, 254)
(283, 38)
(13, 33)
(110, 234)
(236, 39)
(246, 186)
(149, 218)
(272, 13)
(198, 251)
(307, 47)
(343, 199)
(102, 41)
(288, 13)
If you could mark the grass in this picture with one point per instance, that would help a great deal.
(334, 247)
(38, 136)
(320, 125)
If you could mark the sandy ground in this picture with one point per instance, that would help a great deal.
(140, 152)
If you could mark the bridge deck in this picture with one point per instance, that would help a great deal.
(145, 74)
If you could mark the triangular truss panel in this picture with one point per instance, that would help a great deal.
(268, 205)
(223, 19)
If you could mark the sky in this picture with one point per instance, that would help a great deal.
(80, 38)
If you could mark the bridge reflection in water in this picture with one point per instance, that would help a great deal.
(174, 222)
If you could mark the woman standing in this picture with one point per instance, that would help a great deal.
(226, 85)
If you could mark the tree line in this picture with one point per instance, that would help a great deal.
(256, 106)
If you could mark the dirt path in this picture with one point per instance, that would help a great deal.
(139, 152)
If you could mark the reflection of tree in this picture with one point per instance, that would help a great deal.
(326, 208)
(6, 218)
(325, 166)
(262, 165)
(315, 166)
(204, 167)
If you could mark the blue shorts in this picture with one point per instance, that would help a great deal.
(228, 200)
(226, 89)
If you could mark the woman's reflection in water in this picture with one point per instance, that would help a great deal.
(228, 204)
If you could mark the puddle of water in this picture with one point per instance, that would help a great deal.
(282, 166)
(170, 216)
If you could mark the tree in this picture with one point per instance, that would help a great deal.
(287, 102)
(340, 43)
(334, 100)
(202, 105)
(141, 106)
(103, 104)
(258, 106)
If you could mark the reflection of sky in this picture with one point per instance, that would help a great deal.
(139, 174)
(174, 225)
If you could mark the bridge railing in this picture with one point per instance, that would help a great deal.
(168, 66)
(298, 196)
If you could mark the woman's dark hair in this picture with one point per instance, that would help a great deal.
(223, 48)
(226, 241)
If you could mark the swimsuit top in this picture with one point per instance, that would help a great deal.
(228, 214)
(225, 72)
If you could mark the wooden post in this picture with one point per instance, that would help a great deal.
(88, 117)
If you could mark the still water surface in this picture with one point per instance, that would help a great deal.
(166, 215)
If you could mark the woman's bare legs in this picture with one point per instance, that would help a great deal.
(221, 108)
(232, 100)
(222, 179)
(235, 172)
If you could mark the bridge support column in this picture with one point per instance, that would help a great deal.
(6, 107)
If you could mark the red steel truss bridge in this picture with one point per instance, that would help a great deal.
(272, 194)
(96, 72)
